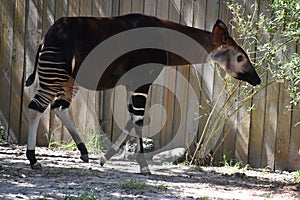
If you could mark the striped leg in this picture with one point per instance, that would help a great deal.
(63, 114)
(61, 108)
(34, 119)
(36, 108)
(137, 110)
(52, 78)
(115, 147)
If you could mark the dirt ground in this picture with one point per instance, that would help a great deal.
(64, 176)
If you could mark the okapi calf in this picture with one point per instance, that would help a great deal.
(69, 41)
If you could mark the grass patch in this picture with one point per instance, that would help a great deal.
(233, 166)
(94, 140)
(296, 176)
(85, 196)
(133, 185)
(2, 132)
(161, 187)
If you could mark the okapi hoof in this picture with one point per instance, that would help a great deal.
(85, 158)
(145, 170)
(102, 160)
(36, 166)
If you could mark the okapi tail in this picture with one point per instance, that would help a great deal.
(31, 78)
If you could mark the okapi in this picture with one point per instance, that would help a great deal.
(69, 41)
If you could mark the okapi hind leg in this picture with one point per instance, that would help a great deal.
(140, 158)
(34, 119)
(62, 111)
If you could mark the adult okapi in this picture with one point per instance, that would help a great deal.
(69, 41)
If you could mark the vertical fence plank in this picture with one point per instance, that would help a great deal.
(47, 16)
(43, 134)
(200, 22)
(137, 6)
(83, 101)
(270, 126)
(192, 120)
(186, 18)
(229, 131)
(294, 149)
(217, 125)
(115, 8)
(102, 8)
(57, 130)
(268, 151)
(17, 71)
(109, 95)
(162, 96)
(257, 115)
(173, 122)
(125, 7)
(199, 9)
(106, 8)
(243, 119)
(92, 98)
(33, 38)
(61, 8)
(7, 16)
(73, 8)
(155, 93)
(120, 113)
(283, 134)
(150, 7)
(78, 105)
(208, 71)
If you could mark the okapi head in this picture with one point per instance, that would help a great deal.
(231, 57)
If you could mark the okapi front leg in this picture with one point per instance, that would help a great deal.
(115, 146)
(63, 114)
(137, 111)
(140, 158)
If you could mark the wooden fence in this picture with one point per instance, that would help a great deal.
(265, 136)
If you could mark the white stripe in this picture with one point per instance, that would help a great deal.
(50, 62)
(51, 85)
(136, 118)
(135, 108)
(54, 52)
(51, 68)
(140, 94)
(54, 78)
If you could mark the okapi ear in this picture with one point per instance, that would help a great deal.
(220, 33)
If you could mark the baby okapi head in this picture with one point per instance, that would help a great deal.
(231, 57)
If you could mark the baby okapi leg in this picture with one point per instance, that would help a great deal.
(144, 168)
(115, 146)
(137, 110)
(34, 119)
(63, 114)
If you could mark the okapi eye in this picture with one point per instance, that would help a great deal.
(240, 58)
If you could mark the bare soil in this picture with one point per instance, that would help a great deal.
(64, 176)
